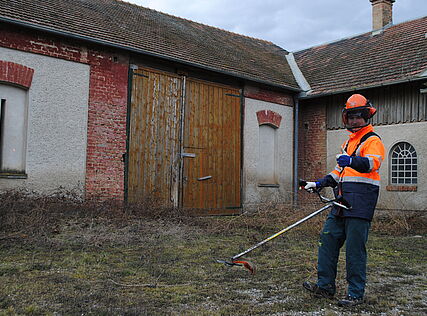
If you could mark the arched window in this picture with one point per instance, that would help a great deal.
(268, 122)
(13, 130)
(267, 164)
(13, 118)
(403, 164)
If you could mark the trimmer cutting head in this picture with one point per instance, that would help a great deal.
(246, 264)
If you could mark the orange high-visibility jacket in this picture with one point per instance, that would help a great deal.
(360, 181)
(372, 149)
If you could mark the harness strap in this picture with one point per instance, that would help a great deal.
(362, 140)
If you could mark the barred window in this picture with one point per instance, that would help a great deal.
(404, 164)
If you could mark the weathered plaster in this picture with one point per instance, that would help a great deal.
(253, 194)
(57, 123)
(413, 133)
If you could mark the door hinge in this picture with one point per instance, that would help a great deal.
(233, 95)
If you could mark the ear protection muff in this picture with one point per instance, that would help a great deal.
(372, 110)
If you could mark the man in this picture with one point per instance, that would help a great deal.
(357, 180)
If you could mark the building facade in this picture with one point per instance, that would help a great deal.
(388, 66)
(150, 106)
(119, 116)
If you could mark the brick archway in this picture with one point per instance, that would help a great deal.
(16, 74)
(269, 117)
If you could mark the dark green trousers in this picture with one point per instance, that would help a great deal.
(354, 233)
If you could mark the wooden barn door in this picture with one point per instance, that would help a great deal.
(154, 133)
(211, 145)
(187, 156)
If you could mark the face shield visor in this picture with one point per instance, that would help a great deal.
(365, 112)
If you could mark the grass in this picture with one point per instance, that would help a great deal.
(70, 258)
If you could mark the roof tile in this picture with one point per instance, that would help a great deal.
(152, 32)
(398, 53)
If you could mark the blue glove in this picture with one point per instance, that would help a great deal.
(344, 160)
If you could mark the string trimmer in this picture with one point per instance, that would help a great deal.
(234, 261)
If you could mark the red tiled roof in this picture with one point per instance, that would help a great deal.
(151, 32)
(399, 53)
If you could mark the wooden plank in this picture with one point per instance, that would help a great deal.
(213, 133)
(401, 103)
(154, 136)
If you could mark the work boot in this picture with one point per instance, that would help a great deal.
(316, 290)
(350, 301)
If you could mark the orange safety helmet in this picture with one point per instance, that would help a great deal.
(357, 103)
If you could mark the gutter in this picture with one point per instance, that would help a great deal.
(423, 76)
(296, 148)
(305, 86)
(424, 73)
(139, 51)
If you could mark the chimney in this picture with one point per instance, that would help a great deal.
(382, 13)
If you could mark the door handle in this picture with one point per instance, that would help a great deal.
(204, 178)
(188, 155)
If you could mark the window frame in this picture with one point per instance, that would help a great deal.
(403, 167)
(6, 173)
(273, 179)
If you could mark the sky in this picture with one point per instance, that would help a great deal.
(291, 24)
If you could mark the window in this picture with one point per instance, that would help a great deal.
(403, 165)
(268, 122)
(13, 131)
(267, 155)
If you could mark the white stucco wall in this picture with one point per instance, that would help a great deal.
(57, 123)
(253, 194)
(413, 133)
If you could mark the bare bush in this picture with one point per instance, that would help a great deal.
(392, 222)
(26, 213)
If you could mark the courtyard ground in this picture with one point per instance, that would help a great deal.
(63, 257)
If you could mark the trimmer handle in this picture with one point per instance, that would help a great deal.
(302, 183)
(339, 200)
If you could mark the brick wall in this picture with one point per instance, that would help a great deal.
(107, 103)
(312, 150)
(268, 95)
(106, 125)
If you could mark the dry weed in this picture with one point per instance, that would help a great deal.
(24, 213)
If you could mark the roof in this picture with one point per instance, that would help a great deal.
(146, 31)
(397, 54)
